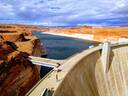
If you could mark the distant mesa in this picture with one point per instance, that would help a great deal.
(96, 34)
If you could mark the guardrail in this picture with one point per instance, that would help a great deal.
(46, 62)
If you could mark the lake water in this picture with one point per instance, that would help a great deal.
(59, 47)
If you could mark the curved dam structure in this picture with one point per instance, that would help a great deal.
(99, 71)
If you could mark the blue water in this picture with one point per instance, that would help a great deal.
(59, 47)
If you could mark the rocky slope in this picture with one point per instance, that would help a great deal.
(23, 38)
(98, 34)
(17, 74)
(95, 33)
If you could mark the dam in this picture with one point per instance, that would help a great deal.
(26, 49)
(59, 48)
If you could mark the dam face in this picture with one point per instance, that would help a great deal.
(60, 47)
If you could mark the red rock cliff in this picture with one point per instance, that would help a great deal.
(17, 74)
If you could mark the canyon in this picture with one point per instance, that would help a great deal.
(17, 74)
(96, 34)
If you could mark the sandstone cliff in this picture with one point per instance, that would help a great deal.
(17, 74)
(98, 34)
(23, 38)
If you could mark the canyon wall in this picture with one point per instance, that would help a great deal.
(92, 33)
(17, 74)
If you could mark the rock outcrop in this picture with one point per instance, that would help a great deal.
(17, 74)
(23, 38)
(100, 34)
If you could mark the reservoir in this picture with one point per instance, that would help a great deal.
(59, 47)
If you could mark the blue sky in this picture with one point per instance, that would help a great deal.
(65, 12)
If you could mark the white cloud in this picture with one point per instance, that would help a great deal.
(6, 11)
(64, 11)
